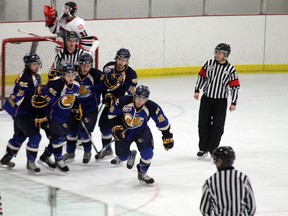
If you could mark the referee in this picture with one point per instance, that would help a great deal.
(216, 78)
(228, 192)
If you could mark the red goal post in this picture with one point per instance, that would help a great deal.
(13, 51)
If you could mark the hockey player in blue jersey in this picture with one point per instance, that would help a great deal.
(129, 116)
(18, 105)
(91, 86)
(54, 106)
(120, 79)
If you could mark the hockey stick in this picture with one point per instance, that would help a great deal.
(86, 130)
(35, 35)
(98, 155)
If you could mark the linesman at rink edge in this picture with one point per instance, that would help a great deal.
(216, 78)
(129, 117)
(228, 191)
(18, 105)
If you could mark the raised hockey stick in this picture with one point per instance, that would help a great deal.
(35, 35)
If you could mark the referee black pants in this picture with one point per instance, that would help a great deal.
(212, 115)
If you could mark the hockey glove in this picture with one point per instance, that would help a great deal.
(50, 14)
(109, 100)
(77, 111)
(111, 82)
(54, 73)
(168, 141)
(38, 101)
(118, 132)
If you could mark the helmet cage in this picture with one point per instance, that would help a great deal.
(70, 9)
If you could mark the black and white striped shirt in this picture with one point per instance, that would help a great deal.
(63, 57)
(228, 193)
(217, 79)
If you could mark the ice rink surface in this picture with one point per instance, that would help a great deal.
(257, 130)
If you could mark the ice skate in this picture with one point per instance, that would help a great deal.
(202, 154)
(104, 153)
(143, 177)
(61, 166)
(86, 157)
(6, 162)
(69, 157)
(116, 161)
(46, 162)
(131, 159)
(33, 169)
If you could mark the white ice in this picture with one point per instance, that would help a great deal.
(257, 130)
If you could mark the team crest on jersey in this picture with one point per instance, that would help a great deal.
(67, 101)
(52, 91)
(131, 121)
(84, 91)
(80, 27)
(126, 108)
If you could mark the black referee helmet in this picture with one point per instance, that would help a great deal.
(226, 154)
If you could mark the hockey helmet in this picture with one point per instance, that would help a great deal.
(68, 68)
(30, 58)
(142, 92)
(72, 35)
(86, 58)
(123, 53)
(70, 8)
(226, 154)
(223, 47)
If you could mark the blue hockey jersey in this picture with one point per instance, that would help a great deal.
(127, 78)
(19, 102)
(123, 112)
(90, 90)
(60, 98)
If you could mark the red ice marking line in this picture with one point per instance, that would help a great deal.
(155, 195)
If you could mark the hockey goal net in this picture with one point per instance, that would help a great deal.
(13, 51)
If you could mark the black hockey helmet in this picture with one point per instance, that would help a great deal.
(30, 58)
(72, 35)
(225, 48)
(86, 58)
(70, 8)
(123, 53)
(142, 92)
(226, 154)
(68, 68)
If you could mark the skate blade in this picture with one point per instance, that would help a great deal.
(6, 166)
(34, 173)
(43, 164)
(104, 158)
(58, 171)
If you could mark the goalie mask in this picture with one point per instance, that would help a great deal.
(226, 154)
(224, 48)
(70, 9)
(31, 58)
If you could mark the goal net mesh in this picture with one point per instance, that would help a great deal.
(13, 51)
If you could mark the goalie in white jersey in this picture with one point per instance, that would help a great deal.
(68, 22)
